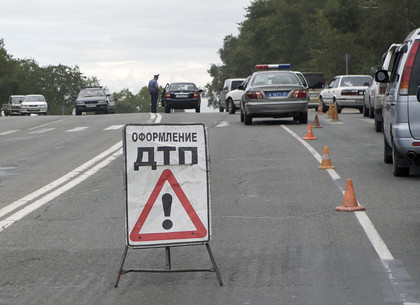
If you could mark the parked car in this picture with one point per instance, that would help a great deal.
(346, 91)
(274, 92)
(375, 94)
(316, 82)
(228, 85)
(182, 95)
(401, 109)
(94, 99)
(13, 106)
(34, 104)
(233, 98)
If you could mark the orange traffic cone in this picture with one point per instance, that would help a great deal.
(309, 134)
(316, 122)
(319, 111)
(349, 200)
(326, 161)
(335, 114)
(330, 110)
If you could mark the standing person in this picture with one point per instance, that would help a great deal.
(154, 92)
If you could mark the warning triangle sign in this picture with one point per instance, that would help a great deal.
(199, 232)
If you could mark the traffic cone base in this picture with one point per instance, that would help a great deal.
(326, 161)
(349, 200)
(316, 122)
(309, 134)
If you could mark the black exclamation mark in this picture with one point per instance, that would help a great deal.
(167, 204)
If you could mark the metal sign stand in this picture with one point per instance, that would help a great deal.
(168, 266)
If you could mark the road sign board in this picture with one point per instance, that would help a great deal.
(167, 190)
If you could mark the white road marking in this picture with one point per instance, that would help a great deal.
(76, 129)
(8, 132)
(44, 130)
(114, 127)
(222, 124)
(104, 159)
(370, 230)
(36, 127)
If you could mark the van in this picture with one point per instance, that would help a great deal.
(401, 109)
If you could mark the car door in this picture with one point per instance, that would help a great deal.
(328, 93)
(413, 105)
(391, 94)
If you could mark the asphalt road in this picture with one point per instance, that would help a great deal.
(276, 236)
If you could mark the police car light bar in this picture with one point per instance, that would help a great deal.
(275, 66)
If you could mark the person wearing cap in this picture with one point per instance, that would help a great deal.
(154, 92)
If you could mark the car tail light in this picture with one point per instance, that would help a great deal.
(406, 75)
(195, 94)
(254, 95)
(416, 143)
(301, 93)
(348, 92)
(382, 88)
(168, 94)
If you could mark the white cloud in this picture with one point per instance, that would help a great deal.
(123, 43)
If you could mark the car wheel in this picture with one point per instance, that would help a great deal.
(324, 107)
(361, 109)
(242, 115)
(372, 112)
(197, 110)
(365, 111)
(378, 125)
(302, 118)
(78, 111)
(231, 105)
(387, 152)
(221, 109)
(398, 171)
(247, 118)
(167, 109)
(338, 108)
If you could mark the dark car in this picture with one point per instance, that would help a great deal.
(181, 96)
(94, 99)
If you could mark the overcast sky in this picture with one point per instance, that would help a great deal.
(124, 42)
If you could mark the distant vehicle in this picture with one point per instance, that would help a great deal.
(14, 105)
(346, 91)
(316, 82)
(233, 98)
(182, 95)
(94, 99)
(273, 92)
(375, 94)
(228, 85)
(401, 109)
(34, 104)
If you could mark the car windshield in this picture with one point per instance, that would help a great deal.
(34, 98)
(17, 99)
(315, 81)
(352, 81)
(91, 92)
(275, 78)
(182, 87)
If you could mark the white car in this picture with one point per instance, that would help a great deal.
(346, 91)
(34, 104)
(233, 98)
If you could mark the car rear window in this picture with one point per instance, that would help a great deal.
(315, 81)
(275, 79)
(351, 81)
(182, 86)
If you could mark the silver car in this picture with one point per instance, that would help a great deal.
(401, 109)
(274, 93)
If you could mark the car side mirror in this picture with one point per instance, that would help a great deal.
(418, 94)
(382, 76)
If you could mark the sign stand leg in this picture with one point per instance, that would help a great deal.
(213, 261)
(168, 258)
(120, 271)
(168, 266)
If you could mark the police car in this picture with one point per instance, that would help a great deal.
(276, 92)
